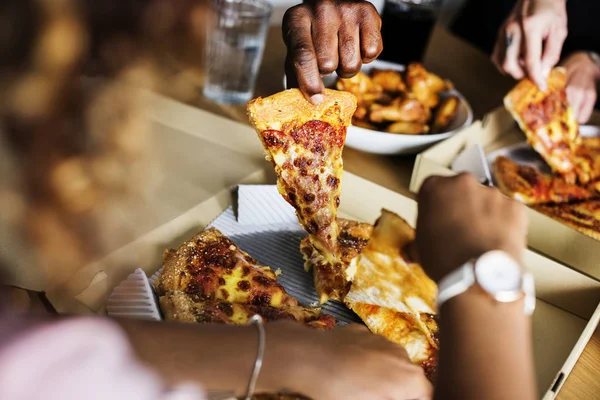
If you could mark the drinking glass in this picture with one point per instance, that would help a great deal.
(406, 29)
(236, 34)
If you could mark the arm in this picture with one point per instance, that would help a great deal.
(486, 350)
(220, 358)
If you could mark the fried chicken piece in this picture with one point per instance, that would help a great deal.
(407, 128)
(424, 85)
(389, 80)
(407, 110)
(445, 114)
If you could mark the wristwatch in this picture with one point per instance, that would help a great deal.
(497, 274)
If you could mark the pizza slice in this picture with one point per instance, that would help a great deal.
(583, 217)
(304, 142)
(181, 307)
(393, 295)
(333, 279)
(587, 159)
(547, 121)
(213, 277)
(530, 186)
(591, 142)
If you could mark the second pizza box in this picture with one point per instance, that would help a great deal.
(567, 311)
(498, 131)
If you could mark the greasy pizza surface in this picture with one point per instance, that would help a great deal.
(530, 186)
(548, 121)
(393, 295)
(304, 142)
(178, 306)
(583, 217)
(211, 266)
(332, 279)
(209, 279)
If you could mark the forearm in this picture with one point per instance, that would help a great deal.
(486, 350)
(218, 357)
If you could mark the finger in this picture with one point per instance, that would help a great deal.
(301, 61)
(512, 51)
(532, 51)
(349, 50)
(552, 49)
(587, 107)
(371, 43)
(575, 99)
(325, 37)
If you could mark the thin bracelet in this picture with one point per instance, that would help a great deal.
(260, 324)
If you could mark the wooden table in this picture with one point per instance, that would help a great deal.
(474, 75)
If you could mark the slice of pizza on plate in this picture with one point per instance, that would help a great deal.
(530, 186)
(548, 121)
(583, 217)
(304, 142)
(210, 279)
(393, 295)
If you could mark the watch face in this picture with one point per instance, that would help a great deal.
(497, 273)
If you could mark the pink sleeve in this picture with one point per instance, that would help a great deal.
(78, 358)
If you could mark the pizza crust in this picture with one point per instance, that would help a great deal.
(290, 106)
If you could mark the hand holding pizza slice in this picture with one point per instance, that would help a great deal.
(304, 142)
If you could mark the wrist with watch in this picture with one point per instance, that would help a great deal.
(497, 275)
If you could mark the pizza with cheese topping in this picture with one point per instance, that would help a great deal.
(209, 279)
(583, 217)
(548, 121)
(530, 186)
(332, 279)
(393, 295)
(304, 142)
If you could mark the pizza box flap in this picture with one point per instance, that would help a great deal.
(546, 235)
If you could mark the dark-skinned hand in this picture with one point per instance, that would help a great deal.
(323, 36)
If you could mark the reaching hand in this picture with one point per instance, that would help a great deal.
(530, 41)
(351, 363)
(460, 220)
(582, 75)
(323, 36)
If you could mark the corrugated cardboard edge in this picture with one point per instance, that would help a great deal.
(549, 237)
(578, 349)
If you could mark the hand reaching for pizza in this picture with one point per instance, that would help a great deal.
(347, 363)
(323, 36)
(530, 40)
(459, 220)
(582, 75)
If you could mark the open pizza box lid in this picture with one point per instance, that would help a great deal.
(567, 312)
(498, 132)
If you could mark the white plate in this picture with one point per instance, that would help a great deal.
(390, 143)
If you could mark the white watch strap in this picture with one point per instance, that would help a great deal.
(529, 289)
(461, 279)
(455, 283)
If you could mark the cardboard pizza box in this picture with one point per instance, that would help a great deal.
(567, 310)
(546, 235)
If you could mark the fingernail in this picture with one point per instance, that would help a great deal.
(546, 71)
(317, 98)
